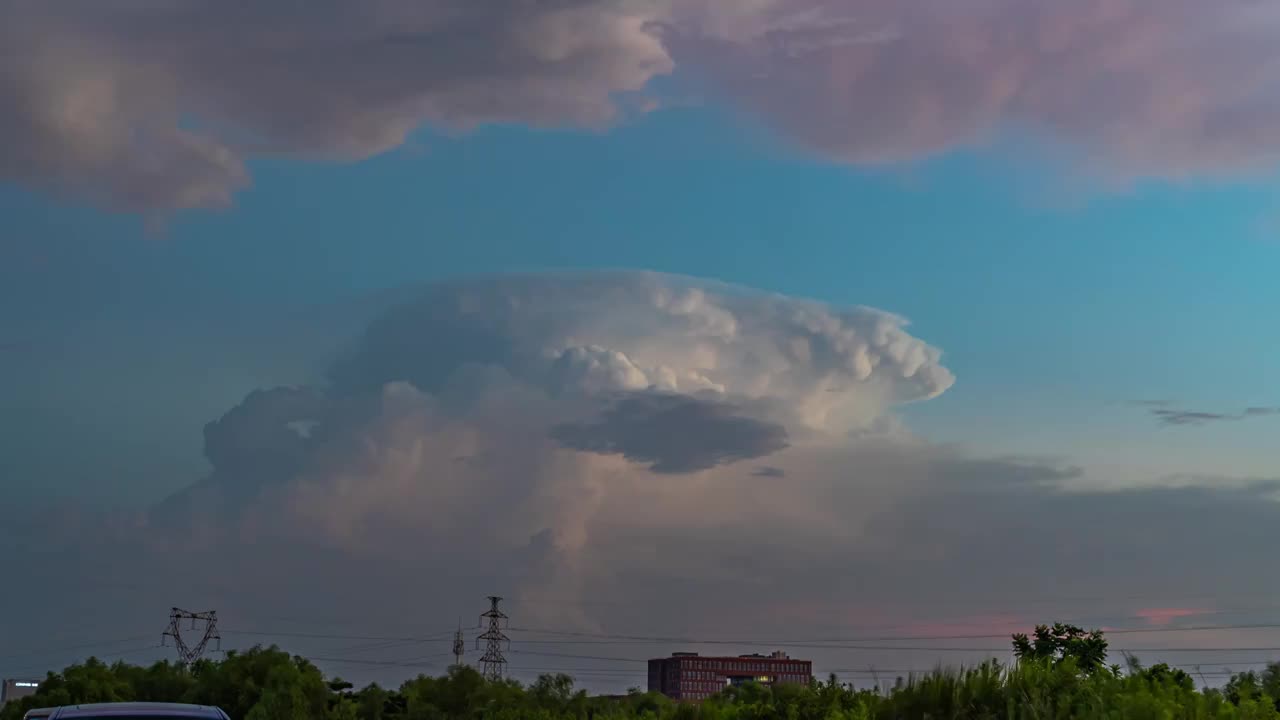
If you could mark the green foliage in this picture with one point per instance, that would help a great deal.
(1063, 643)
(1061, 673)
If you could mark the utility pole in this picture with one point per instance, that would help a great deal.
(493, 662)
(459, 645)
(189, 654)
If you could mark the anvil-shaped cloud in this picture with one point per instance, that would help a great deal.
(504, 388)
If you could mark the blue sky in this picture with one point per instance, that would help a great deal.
(1076, 203)
(1053, 308)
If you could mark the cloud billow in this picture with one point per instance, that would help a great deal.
(577, 336)
(674, 433)
(156, 107)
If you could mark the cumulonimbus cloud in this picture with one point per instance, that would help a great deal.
(523, 391)
(516, 416)
(606, 450)
(154, 107)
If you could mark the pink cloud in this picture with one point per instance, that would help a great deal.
(968, 626)
(133, 108)
(877, 620)
(1139, 87)
(1165, 616)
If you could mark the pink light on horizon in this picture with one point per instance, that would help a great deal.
(1163, 616)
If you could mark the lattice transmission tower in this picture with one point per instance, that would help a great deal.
(189, 654)
(493, 663)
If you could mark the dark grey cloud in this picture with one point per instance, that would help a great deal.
(767, 471)
(1189, 417)
(1171, 416)
(153, 107)
(674, 434)
(262, 432)
(1014, 546)
(898, 524)
(999, 536)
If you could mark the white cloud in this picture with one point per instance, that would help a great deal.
(823, 369)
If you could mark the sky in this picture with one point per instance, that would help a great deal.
(662, 318)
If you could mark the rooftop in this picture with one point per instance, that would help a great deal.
(777, 655)
(140, 709)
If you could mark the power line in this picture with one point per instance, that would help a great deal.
(928, 648)
(570, 637)
(835, 646)
(330, 636)
(819, 643)
(588, 672)
(850, 671)
(580, 657)
(605, 672)
(97, 656)
(371, 647)
(69, 648)
(609, 639)
(418, 662)
(823, 671)
(858, 673)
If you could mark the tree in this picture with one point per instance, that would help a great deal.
(1163, 674)
(268, 684)
(373, 702)
(1063, 643)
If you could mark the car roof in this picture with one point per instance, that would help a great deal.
(134, 709)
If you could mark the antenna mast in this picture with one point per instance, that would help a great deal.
(459, 645)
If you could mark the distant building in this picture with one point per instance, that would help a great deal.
(689, 676)
(14, 689)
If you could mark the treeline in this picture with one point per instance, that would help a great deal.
(1061, 672)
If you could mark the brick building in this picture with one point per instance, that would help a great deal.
(689, 676)
(14, 689)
